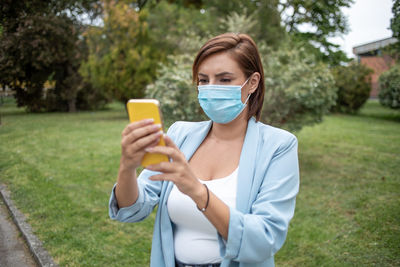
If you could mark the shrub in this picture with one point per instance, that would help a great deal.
(389, 85)
(298, 90)
(175, 91)
(354, 87)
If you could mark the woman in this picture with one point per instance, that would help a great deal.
(228, 193)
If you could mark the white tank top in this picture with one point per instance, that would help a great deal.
(195, 238)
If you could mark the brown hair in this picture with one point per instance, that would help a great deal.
(244, 50)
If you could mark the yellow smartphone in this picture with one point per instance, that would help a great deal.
(140, 109)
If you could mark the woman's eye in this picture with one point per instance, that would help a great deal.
(224, 80)
(203, 81)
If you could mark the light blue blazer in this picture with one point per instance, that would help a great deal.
(268, 182)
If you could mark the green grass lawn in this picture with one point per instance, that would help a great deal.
(60, 169)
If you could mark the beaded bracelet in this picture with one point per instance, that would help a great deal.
(208, 198)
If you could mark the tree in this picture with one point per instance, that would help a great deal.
(313, 22)
(168, 20)
(40, 42)
(267, 19)
(27, 60)
(324, 18)
(170, 29)
(122, 58)
(395, 23)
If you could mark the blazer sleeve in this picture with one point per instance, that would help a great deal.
(258, 235)
(149, 195)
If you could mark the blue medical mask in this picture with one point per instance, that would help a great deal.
(222, 103)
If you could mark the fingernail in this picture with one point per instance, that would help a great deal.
(156, 126)
(148, 149)
(149, 120)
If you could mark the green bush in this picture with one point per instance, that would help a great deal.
(173, 87)
(175, 91)
(298, 89)
(354, 87)
(389, 85)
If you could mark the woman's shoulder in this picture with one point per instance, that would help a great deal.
(274, 136)
(270, 130)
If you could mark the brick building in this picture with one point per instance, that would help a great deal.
(372, 56)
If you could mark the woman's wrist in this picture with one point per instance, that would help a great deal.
(126, 172)
(201, 196)
(204, 208)
(126, 167)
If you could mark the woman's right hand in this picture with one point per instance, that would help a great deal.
(136, 137)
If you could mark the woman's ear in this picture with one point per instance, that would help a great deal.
(254, 81)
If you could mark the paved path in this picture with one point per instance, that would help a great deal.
(11, 246)
(13, 250)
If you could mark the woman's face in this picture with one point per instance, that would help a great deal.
(222, 69)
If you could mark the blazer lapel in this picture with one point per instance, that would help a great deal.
(247, 165)
(188, 146)
(194, 139)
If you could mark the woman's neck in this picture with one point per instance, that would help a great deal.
(230, 131)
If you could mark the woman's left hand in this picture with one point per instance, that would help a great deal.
(178, 171)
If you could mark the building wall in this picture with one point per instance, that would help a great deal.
(378, 64)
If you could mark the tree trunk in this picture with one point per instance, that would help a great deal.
(72, 105)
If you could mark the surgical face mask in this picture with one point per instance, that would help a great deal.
(222, 103)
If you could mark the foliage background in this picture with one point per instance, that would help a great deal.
(174, 89)
(354, 87)
(299, 89)
(389, 84)
(40, 42)
(121, 56)
(87, 64)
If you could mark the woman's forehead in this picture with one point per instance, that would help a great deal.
(219, 63)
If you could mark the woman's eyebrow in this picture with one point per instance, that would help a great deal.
(224, 73)
(218, 74)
